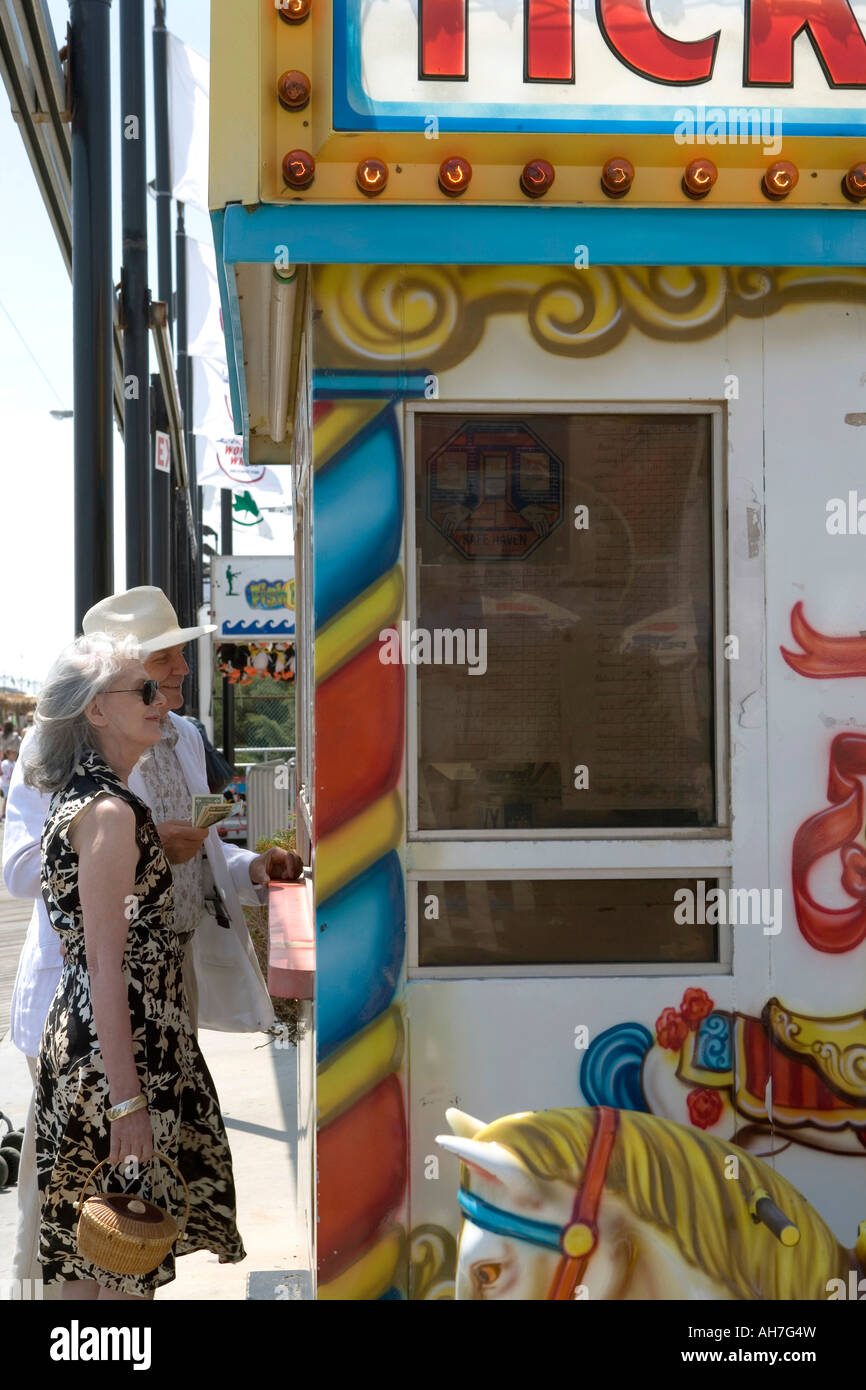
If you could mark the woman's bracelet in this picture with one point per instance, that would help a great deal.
(126, 1107)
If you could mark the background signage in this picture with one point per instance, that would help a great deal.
(252, 597)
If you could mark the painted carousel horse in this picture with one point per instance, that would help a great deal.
(715, 1069)
(607, 1204)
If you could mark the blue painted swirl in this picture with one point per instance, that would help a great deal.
(714, 1047)
(610, 1070)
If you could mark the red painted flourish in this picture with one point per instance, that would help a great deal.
(836, 828)
(824, 658)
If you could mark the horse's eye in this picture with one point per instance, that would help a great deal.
(487, 1274)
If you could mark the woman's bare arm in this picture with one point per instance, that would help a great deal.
(104, 839)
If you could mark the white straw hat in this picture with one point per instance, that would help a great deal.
(145, 614)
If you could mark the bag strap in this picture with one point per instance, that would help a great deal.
(162, 1158)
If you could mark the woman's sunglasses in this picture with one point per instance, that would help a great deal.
(148, 691)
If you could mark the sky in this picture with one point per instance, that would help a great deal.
(36, 540)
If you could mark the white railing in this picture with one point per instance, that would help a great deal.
(269, 798)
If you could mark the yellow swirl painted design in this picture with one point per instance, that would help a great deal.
(359, 1065)
(358, 843)
(437, 315)
(369, 1277)
(339, 425)
(358, 623)
(433, 1257)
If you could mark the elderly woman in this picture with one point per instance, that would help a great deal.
(120, 1073)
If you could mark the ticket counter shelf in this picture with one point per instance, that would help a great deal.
(291, 940)
(291, 969)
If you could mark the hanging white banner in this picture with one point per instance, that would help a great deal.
(189, 114)
(204, 316)
(220, 463)
(211, 399)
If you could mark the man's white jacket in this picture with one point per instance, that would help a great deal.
(233, 996)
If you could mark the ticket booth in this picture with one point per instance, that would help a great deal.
(558, 318)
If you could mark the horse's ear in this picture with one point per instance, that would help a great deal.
(495, 1163)
(466, 1126)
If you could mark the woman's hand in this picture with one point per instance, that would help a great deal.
(131, 1137)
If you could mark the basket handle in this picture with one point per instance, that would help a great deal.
(162, 1158)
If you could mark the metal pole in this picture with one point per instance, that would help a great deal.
(189, 593)
(161, 514)
(162, 182)
(136, 294)
(228, 688)
(92, 308)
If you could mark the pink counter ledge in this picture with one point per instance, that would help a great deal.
(291, 941)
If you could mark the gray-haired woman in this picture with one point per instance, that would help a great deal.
(120, 1072)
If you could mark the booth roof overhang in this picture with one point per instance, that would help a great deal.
(246, 237)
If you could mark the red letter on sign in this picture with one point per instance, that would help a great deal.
(834, 33)
(442, 38)
(631, 34)
(549, 41)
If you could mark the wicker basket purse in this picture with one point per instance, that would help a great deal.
(124, 1234)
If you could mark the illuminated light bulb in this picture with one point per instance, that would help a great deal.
(299, 168)
(854, 183)
(699, 178)
(537, 178)
(779, 180)
(617, 177)
(371, 177)
(294, 11)
(454, 176)
(293, 90)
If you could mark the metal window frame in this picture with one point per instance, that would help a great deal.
(576, 854)
(719, 565)
(305, 634)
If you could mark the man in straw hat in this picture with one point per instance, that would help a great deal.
(212, 880)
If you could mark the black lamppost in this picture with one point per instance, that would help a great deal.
(92, 302)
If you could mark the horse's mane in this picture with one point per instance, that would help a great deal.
(675, 1178)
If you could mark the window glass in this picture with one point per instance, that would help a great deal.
(558, 921)
(564, 633)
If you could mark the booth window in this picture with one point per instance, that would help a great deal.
(567, 746)
(558, 921)
(564, 629)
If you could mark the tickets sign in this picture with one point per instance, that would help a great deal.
(616, 64)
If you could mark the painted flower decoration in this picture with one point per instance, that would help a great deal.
(671, 1029)
(705, 1107)
(696, 1006)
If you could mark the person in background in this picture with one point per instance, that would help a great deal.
(11, 738)
(7, 767)
(212, 879)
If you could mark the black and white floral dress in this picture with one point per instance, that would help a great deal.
(72, 1133)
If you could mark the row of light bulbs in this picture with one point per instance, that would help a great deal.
(294, 90)
(537, 177)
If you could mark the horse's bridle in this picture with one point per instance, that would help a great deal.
(578, 1239)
